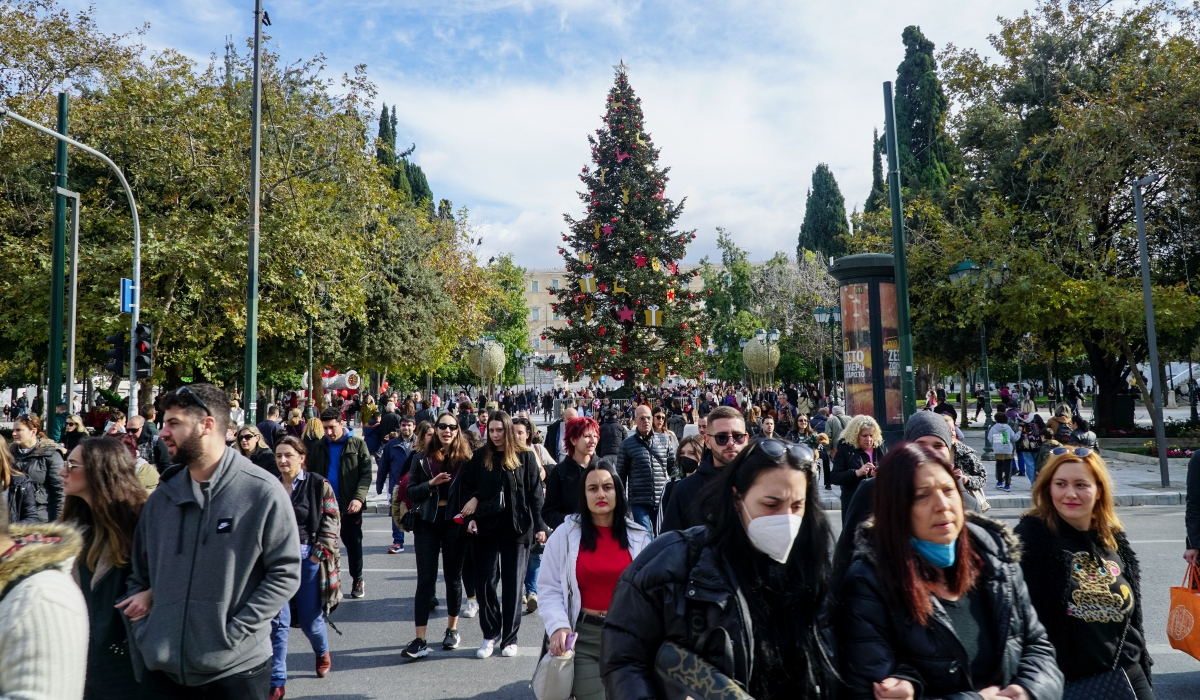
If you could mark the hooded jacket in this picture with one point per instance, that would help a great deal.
(879, 638)
(612, 434)
(354, 468)
(220, 573)
(43, 466)
(43, 617)
(645, 464)
(22, 501)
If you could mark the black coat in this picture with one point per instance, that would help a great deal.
(612, 434)
(1046, 563)
(849, 459)
(22, 501)
(683, 591)
(1191, 516)
(264, 459)
(43, 465)
(517, 514)
(562, 491)
(879, 639)
(424, 495)
(552, 439)
(681, 511)
(645, 464)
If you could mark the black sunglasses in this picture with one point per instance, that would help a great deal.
(447, 426)
(1078, 451)
(186, 392)
(774, 447)
(722, 439)
(247, 436)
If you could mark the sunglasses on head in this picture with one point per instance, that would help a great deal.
(186, 392)
(447, 426)
(1077, 451)
(776, 448)
(722, 439)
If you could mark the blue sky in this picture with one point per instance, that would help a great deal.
(743, 98)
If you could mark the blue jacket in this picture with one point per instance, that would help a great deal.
(395, 454)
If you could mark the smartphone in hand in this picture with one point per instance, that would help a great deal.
(570, 645)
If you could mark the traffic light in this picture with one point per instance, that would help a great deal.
(117, 354)
(143, 365)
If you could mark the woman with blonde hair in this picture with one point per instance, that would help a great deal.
(504, 512)
(313, 432)
(103, 499)
(250, 444)
(754, 421)
(295, 423)
(1083, 575)
(860, 447)
(1062, 416)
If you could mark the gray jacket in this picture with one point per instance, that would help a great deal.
(219, 573)
(645, 464)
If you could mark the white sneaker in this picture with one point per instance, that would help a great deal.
(485, 649)
(471, 609)
(510, 650)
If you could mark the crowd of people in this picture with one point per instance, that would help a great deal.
(666, 541)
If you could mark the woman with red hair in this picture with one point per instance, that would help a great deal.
(935, 603)
(562, 483)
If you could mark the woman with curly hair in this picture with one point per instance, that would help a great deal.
(860, 447)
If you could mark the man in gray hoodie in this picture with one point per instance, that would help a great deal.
(215, 558)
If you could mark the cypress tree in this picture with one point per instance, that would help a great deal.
(824, 216)
(419, 185)
(877, 199)
(385, 142)
(927, 156)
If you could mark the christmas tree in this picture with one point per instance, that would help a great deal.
(629, 311)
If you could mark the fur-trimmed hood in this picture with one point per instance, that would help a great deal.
(59, 546)
(44, 448)
(992, 537)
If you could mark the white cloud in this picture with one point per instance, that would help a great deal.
(744, 98)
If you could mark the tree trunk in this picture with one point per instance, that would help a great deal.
(1141, 383)
(962, 402)
(1108, 371)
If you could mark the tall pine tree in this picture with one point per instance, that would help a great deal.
(824, 216)
(927, 156)
(385, 142)
(877, 200)
(628, 309)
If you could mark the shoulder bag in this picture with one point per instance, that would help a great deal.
(684, 675)
(554, 677)
(1113, 684)
(1182, 631)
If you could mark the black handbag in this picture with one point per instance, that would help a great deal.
(683, 675)
(1113, 684)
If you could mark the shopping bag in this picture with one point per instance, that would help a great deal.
(1183, 629)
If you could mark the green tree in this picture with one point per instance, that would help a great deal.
(927, 158)
(626, 300)
(385, 142)
(508, 315)
(824, 228)
(877, 200)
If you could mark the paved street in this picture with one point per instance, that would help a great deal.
(367, 661)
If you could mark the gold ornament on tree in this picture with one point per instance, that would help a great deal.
(760, 357)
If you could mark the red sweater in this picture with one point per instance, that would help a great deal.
(598, 571)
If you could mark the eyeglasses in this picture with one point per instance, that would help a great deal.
(448, 426)
(72, 466)
(722, 439)
(1078, 451)
(187, 393)
(246, 437)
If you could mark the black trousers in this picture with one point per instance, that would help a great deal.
(442, 537)
(352, 537)
(466, 545)
(499, 563)
(254, 684)
(825, 466)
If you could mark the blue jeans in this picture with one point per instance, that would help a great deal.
(645, 517)
(397, 534)
(312, 622)
(1025, 463)
(531, 573)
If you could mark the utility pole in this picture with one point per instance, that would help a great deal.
(251, 380)
(73, 300)
(908, 386)
(1151, 335)
(57, 276)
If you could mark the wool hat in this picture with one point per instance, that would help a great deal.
(924, 423)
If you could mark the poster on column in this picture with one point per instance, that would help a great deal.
(892, 377)
(856, 349)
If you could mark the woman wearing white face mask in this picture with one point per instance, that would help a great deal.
(742, 596)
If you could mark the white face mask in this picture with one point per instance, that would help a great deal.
(773, 535)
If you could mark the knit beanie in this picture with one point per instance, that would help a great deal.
(924, 423)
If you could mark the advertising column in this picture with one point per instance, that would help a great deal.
(856, 349)
(888, 321)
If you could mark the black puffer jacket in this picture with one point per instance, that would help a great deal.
(43, 465)
(645, 464)
(849, 459)
(683, 591)
(612, 434)
(22, 501)
(878, 639)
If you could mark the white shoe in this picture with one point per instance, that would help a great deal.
(471, 609)
(510, 650)
(485, 649)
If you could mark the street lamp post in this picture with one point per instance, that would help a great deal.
(830, 317)
(251, 380)
(968, 272)
(1151, 335)
(772, 338)
(742, 345)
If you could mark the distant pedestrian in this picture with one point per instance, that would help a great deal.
(344, 461)
(1004, 445)
(251, 445)
(645, 462)
(41, 459)
(17, 490)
